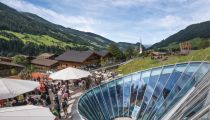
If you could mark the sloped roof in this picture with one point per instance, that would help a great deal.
(6, 58)
(103, 53)
(44, 62)
(75, 56)
(10, 64)
(45, 55)
(158, 53)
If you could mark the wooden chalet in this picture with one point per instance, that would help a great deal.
(5, 59)
(106, 57)
(44, 63)
(158, 55)
(73, 58)
(7, 67)
(104, 54)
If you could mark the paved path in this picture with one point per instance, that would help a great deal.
(114, 65)
(74, 96)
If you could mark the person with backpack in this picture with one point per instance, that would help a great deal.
(55, 112)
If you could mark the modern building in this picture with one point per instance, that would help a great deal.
(173, 92)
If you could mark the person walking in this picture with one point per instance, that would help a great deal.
(65, 107)
(57, 108)
(60, 95)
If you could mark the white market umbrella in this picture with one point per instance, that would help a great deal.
(26, 112)
(10, 88)
(69, 74)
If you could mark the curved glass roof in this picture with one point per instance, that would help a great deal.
(143, 95)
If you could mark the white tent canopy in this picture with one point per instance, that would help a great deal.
(11, 87)
(27, 112)
(69, 74)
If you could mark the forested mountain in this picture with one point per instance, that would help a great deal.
(125, 45)
(194, 32)
(29, 34)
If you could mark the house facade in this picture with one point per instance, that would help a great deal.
(78, 59)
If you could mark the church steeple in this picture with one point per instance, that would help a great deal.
(140, 47)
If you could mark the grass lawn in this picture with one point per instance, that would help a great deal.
(145, 63)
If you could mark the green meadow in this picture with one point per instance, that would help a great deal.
(147, 62)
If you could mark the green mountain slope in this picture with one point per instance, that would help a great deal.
(200, 30)
(39, 35)
(125, 45)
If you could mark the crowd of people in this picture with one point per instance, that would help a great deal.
(96, 78)
(101, 75)
(54, 95)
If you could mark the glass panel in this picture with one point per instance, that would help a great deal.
(99, 97)
(159, 88)
(201, 72)
(107, 99)
(168, 87)
(193, 67)
(112, 92)
(146, 95)
(83, 111)
(95, 105)
(126, 95)
(188, 86)
(88, 108)
(154, 77)
(144, 80)
(134, 90)
(119, 89)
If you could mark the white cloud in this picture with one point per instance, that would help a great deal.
(121, 20)
(153, 30)
(167, 22)
(77, 22)
(130, 2)
(200, 11)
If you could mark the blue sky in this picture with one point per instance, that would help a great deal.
(120, 20)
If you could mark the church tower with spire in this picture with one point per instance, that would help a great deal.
(140, 47)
